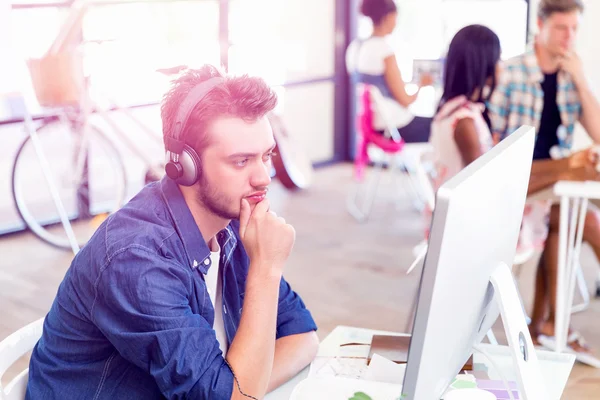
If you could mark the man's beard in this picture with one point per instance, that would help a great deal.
(217, 202)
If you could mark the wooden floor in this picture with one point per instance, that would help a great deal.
(347, 273)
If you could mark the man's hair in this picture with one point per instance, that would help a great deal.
(244, 97)
(548, 7)
(376, 10)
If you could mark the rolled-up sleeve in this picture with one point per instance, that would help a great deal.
(292, 315)
(142, 306)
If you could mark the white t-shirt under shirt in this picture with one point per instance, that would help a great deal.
(214, 284)
(368, 57)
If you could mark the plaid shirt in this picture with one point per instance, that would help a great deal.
(519, 99)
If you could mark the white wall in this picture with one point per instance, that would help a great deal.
(8, 66)
(587, 47)
(15, 82)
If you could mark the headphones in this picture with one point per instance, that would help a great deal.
(184, 163)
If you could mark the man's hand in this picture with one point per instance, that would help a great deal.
(268, 241)
(267, 238)
(590, 108)
(571, 63)
(582, 165)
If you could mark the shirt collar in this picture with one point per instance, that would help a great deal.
(195, 247)
(534, 72)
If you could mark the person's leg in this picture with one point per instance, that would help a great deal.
(591, 232)
(551, 263)
(417, 131)
(545, 282)
(540, 300)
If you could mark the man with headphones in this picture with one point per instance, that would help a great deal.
(180, 294)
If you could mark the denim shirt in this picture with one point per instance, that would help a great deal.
(132, 318)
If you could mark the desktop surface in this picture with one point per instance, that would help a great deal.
(556, 369)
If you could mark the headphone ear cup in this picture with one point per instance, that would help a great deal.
(190, 163)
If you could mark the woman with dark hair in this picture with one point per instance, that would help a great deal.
(471, 64)
(372, 61)
(460, 131)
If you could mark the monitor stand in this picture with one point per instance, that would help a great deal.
(529, 377)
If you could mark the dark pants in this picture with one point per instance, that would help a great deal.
(417, 131)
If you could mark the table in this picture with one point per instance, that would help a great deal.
(556, 368)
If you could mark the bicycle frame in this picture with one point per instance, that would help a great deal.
(126, 140)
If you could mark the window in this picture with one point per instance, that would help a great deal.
(124, 56)
(287, 42)
(291, 41)
(426, 27)
(308, 112)
(165, 34)
(282, 41)
(507, 18)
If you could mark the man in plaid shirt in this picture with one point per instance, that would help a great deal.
(546, 88)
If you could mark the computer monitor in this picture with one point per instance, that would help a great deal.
(466, 279)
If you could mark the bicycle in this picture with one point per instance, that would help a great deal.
(77, 159)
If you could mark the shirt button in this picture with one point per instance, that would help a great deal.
(225, 309)
(195, 264)
(207, 261)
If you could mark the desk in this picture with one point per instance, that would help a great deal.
(555, 367)
(570, 196)
(328, 347)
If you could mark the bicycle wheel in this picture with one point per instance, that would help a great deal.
(88, 191)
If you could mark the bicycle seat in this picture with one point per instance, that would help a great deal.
(172, 70)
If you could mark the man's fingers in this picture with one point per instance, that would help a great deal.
(244, 216)
(592, 155)
(261, 208)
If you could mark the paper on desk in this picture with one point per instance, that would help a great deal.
(335, 344)
(352, 368)
(381, 369)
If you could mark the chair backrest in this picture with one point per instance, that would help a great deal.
(11, 349)
(368, 135)
(377, 105)
(365, 109)
(390, 141)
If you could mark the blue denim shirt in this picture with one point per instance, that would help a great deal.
(132, 318)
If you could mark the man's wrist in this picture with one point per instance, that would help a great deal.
(264, 272)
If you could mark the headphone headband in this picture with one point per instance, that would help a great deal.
(184, 164)
(174, 143)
